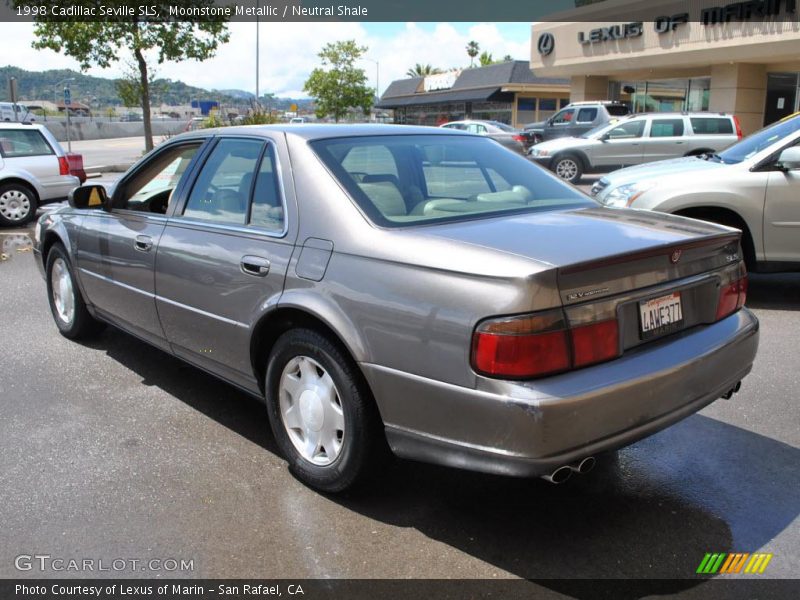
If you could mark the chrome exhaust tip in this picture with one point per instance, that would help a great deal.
(583, 467)
(729, 394)
(560, 475)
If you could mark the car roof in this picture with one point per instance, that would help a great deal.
(315, 131)
(17, 125)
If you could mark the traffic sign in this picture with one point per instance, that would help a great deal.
(67, 97)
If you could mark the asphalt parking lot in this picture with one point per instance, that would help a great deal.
(114, 449)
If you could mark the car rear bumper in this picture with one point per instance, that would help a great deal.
(533, 427)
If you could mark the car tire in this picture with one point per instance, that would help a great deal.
(317, 397)
(66, 302)
(568, 167)
(17, 204)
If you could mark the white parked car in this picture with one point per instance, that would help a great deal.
(34, 170)
(753, 185)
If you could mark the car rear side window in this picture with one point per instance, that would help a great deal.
(267, 208)
(709, 125)
(17, 143)
(587, 115)
(666, 128)
(222, 190)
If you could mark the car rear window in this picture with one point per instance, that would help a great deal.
(618, 110)
(433, 178)
(666, 128)
(16, 143)
(710, 125)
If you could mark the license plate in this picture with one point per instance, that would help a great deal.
(661, 315)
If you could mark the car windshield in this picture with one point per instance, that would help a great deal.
(757, 142)
(596, 132)
(403, 180)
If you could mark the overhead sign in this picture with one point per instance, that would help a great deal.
(440, 81)
(713, 15)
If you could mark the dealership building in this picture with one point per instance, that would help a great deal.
(736, 57)
(508, 92)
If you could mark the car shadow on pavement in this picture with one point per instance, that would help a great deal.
(649, 512)
(774, 291)
(226, 404)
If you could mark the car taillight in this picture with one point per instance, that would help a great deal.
(519, 138)
(521, 347)
(738, 127)
(540, 344)
(595, 342)
(63, 165)
(732, 293)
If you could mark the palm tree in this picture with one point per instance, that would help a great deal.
(486, 59)
(419, 70)
(473, 49)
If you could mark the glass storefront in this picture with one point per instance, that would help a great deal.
(664, 95)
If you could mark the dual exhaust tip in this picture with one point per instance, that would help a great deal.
(561, 474)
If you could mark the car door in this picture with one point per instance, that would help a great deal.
(585, 119)
(664, 139)
(559, 123)
(782, 216)
(117, 248)
(620, 146)
(224, 252)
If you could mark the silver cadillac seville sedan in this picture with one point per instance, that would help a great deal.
(410, 289)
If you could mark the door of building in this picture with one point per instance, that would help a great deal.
(782, 96)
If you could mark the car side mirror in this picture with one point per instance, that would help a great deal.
(89, 196)
(789, 159)
(605, 137)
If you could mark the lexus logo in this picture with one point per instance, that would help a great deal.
(546, 43)
(675, 257)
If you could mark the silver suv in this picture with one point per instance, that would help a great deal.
(635, 140)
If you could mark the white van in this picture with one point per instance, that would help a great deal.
(8, 110)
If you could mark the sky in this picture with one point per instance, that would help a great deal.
(289, 52)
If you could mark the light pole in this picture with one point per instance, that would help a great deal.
(257, 56)
(66, 110)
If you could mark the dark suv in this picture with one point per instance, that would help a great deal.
(575, 119)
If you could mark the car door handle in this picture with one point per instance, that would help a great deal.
(254, 265)
(678, 142)
(143, 243)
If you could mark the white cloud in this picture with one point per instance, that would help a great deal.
(289, 52)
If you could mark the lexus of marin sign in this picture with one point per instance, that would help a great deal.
(713, 15)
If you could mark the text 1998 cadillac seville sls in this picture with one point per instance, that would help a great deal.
(407, 288)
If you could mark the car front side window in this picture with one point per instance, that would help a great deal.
(150, 189)
(222, 190)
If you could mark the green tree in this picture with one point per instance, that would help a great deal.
(338, 85)
(486, 59)
(507, 58)
(419, 70)
(101, 43)
(473, 49)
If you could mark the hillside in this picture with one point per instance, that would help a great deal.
(101, 92)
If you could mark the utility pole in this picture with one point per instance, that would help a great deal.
(257, 59)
